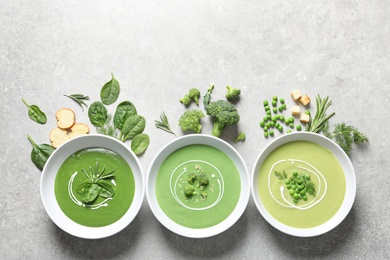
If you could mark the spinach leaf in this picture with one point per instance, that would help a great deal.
(110, 91)
(40, 153)
(35, 113)
(140, 143)
(123, 111)
(83, 187)
(97, 114)
(107, 190)
(91, 193)
(133, 126)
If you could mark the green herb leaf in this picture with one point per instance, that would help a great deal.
(110, 91)
(83, 187)
(123, 111)
(281, 175)
(133, 126)
(40, 153)
(164, 124)
(107, 189)
(91, 193)
(320, 119)
(35, 113)
(97, 114)
(79, 99)
(140, 143)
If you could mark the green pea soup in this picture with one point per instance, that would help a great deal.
(104, 210)
(323, 170)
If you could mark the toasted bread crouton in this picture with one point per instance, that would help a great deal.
(296, 95)
(65, 118)
(304, 118)
(78, 129)
(305, 100)
(58, 136)
(295, 110)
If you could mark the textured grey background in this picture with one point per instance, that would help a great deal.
(158, 50)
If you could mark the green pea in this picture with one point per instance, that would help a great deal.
(291, 125)
(271, 124)
(291, 192)
(265, 119)
(280, 128)
(280, 109)
(293, 187)
(295, 201)
(296, 196)
(275, 98)
(271, 133)
(307, 112)
(277, 125)
(266, 107)
(304, 198)
(289, 131)
(307, 177)
(284, 106)
(298, 127)
(300, 187)
(269, 117)
(282, 100)
(273, 119)
(288, 186)
(302, 192)
(299, 182)
(265, 103)
(295, 173)
(268, 112)
(274, 103)
(281, 118)
(291, 120)
(262, 124)
(275, 110)
(265, 128)
(266, 134)
(287, 181)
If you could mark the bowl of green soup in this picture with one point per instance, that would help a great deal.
(198, 186)
(92, 186)
(303, 184)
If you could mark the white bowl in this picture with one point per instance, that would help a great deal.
(186, 141)
(48, 179)
(350, 179)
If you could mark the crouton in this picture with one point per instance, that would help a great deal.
(296, 95)
(305, 100)
(58, 136)
(304, 118)
(295, 110)
(65, 118)
(78, 129)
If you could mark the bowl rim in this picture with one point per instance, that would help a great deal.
(50, 171)
(224, 147)
(348, 170)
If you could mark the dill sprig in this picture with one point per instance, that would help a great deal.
(164, 124)
(318, 122)
(345, 136)
(79, 99)
(281, 175)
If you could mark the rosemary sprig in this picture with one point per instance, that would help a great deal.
(318, 122)
(79, 99)
(164, 124)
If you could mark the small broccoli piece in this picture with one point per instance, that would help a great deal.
(203, 194)
(202, 179)
(232, 93)
(224, 113)
(190, 120)
(240, 137)
(194, 94)
(191, 177)
(186, 100)
(189, 190)
(207, 96)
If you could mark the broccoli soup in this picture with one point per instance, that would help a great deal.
(94, 187)
(198, 186)
(301, 184)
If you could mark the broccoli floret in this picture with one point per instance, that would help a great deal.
(232, 93)
(191, 177)
(190, 120)
(202, 179)
(186, 100)
(189, 190)
(194, 93)
(224, 113)
(240, 137)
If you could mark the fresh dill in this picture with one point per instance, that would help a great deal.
(281, 175)
(345, 136)
(164, 124)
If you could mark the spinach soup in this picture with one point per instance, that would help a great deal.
(94, 187)
(301, 184)
(198, 186)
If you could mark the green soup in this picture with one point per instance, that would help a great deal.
(283, 197)
(208, 204)
(115, 190)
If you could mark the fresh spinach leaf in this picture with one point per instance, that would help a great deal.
(97, 114)
(40, 153)
(133, 126)
(91, 193)
(140, 143)
(123, 111)
(83, 187)
(107, 189)
(35, 113)
(110, 91)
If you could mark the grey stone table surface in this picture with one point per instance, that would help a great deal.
(158, 50)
